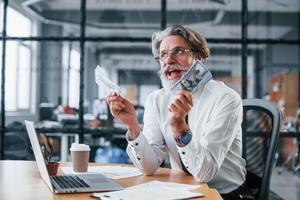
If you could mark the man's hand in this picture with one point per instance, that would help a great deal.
(179, 109)
(124, 111)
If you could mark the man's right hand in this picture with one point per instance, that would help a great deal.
(124, 111)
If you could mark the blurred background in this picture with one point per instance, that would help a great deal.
(50, 49)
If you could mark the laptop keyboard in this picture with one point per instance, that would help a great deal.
(70, 182)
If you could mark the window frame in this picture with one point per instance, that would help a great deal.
(19, 111)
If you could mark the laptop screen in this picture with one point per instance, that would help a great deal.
(38, 153)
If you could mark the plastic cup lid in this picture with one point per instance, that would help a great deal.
(80, 147)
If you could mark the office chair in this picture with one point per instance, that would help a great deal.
(17, 145)
(261, 126)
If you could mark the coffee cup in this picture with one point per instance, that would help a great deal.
(80, 154)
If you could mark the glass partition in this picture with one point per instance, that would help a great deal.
(273, 19)
(213, 19)
(1, 17)
(123, 18)
(18, 75)
(43, 18)
(277, 78)
(225, 64)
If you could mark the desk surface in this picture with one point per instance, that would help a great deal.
(21, 180)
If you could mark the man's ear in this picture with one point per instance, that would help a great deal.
(199, 57)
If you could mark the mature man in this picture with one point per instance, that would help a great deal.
(200, 131)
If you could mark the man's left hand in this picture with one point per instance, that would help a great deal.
(179, 108)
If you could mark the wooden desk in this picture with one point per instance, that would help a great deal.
(21, 180)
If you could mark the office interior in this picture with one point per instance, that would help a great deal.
(50, 49)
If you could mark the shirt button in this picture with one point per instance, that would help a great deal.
(183, 153)
(136, 144)
(139, 158)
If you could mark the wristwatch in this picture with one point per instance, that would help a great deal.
(184, 138)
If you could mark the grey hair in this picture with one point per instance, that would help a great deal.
(195, 41)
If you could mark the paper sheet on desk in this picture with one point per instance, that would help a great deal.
(152, 190)
(113, 172)
(170, 185)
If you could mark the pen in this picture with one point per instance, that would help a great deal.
(107, 196)
(104, 196)
(95, 197)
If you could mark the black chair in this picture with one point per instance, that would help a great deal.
(261, 126)
(17, 145)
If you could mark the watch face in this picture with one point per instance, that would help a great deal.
(186, 137)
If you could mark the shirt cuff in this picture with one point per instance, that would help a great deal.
(137, 143)
(186, 154)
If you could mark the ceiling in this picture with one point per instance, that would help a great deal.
(271, 19)
(172, 5)
(215, 19)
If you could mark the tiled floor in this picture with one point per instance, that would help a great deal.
(286, 184)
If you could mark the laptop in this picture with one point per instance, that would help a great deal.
(68, 183)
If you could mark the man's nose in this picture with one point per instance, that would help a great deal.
(170, 59)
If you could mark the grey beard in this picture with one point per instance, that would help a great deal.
(166, 83)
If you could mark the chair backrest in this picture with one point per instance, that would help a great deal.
(261, 126)
(17, 144)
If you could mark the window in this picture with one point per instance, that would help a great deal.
(74, 79)
(24, 76)
(18, 63)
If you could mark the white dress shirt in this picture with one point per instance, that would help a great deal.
(214, 154)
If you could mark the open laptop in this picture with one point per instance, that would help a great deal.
(68, 183)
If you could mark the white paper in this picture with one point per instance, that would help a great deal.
(113, 172)
(170, 185)
(152, 190)
(101, 78)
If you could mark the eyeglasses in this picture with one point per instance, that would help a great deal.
(175, 53)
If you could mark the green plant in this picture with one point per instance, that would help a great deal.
(47, 151)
